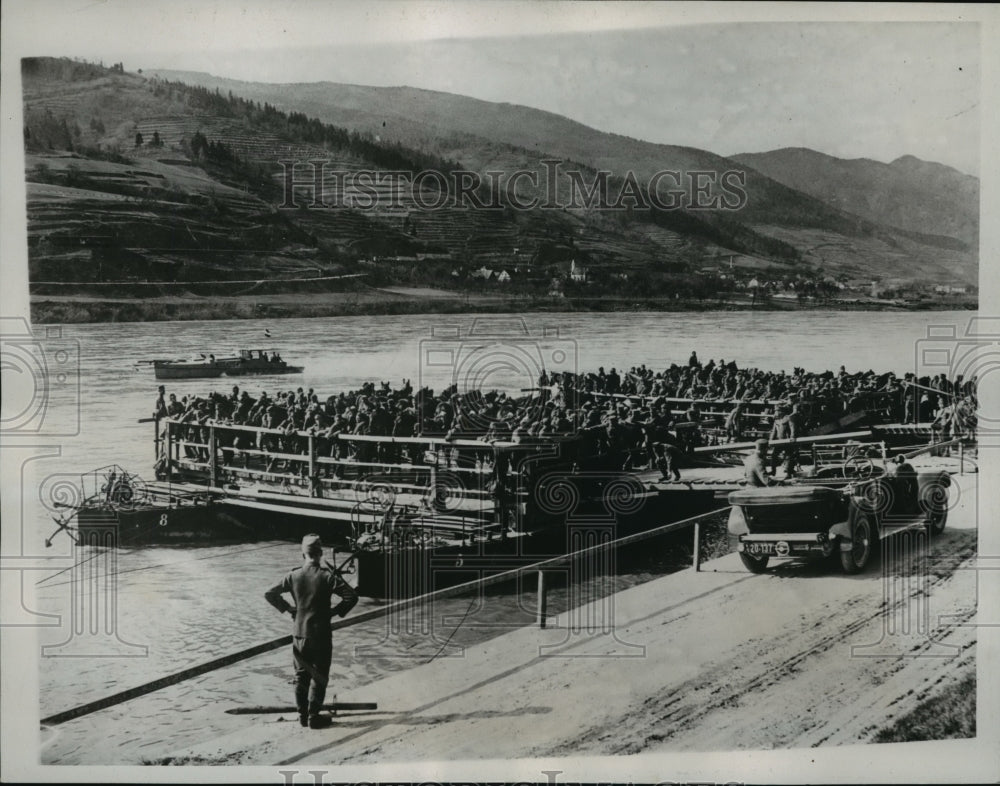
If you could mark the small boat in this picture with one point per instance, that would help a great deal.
(248, 362)
(118, 508)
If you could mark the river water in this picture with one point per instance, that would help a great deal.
(167, 608)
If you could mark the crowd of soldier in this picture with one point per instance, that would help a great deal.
(603, 419)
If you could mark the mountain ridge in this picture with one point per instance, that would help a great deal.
(91, 115)
(908, 192)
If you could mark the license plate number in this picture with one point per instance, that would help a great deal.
(759, 549)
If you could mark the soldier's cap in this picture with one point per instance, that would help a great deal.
(311, 542)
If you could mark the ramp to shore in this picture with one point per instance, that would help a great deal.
(695, 661)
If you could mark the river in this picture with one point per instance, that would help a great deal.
(180, 606)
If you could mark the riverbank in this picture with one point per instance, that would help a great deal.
(75, 309)
(800, 657)
(716, 660)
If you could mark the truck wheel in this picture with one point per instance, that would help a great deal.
(934, 500)
(862, 546)
(754, 564)
(936, 520)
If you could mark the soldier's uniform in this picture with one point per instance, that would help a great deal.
(312, 587)
(756, 472)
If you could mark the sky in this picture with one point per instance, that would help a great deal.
(662, 73)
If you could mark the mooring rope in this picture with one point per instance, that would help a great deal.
(150, 567)
(163, 682)
(454, 630)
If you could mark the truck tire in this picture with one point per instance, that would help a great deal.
(934, 500)
(936, 521)
(863, 542)
(754, 564)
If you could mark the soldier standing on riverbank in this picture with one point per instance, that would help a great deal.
(312, 587)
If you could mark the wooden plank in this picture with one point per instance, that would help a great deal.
(275, 710)
(468, 524)
(435, 440)
(333, 515)
(676, 400)
(342, 510)
(779, 442)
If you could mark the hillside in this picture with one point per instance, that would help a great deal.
(910, 194)
(140, 186)
(478, 132)
(458, 126)
(111, 161)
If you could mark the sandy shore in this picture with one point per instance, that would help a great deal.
(717, 660)
(126, 307)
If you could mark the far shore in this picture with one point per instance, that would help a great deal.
(70, 309)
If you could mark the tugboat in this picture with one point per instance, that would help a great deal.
(248, 362)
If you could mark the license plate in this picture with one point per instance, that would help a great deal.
(759, 549)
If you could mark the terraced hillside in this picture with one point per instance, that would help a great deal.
(895, 220)
(120, 190)
(133, 179)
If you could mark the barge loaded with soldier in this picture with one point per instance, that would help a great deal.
(425, 489)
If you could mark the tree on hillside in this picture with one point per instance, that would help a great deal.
(138, 139)
(197, 145)
(157, 142)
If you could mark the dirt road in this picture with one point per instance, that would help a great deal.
(716, 660)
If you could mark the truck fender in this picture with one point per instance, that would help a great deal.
(932, 491)
(737, 523)
(844, 530)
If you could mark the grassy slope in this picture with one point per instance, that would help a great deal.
(951, 714)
